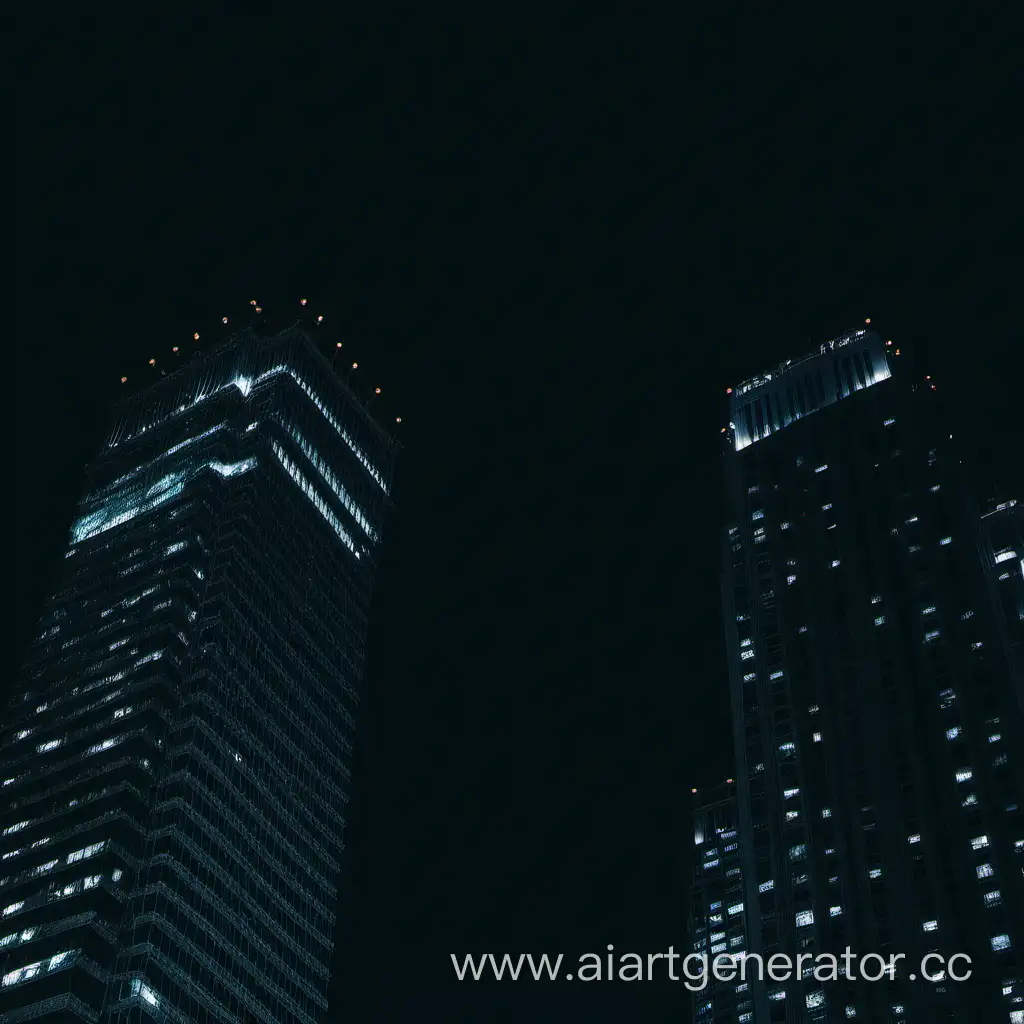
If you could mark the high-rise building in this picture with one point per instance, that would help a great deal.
(718, 919)
(875, 693)
(176, 761)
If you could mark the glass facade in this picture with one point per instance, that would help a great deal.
(875, 687)
(176, 763)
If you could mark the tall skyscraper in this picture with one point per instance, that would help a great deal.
(718, 918)
(176, 762)
(875, 692)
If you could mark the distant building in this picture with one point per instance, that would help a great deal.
(718, 916)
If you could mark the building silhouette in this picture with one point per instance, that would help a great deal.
(176, 758)
(873, 626)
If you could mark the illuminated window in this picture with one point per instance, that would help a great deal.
(916, 838)
(964, 775)
(1000, 942)
(952, 734)
(804, 918)
(835, 911)
(985, 870)
(993, 898)
(930, 926)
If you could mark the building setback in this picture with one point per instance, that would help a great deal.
(875, 686)
(176, 758)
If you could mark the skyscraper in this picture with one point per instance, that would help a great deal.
(874, 692)
(177, 758)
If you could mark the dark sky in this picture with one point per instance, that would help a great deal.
(553, 241)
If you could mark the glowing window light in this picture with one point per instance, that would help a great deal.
(321, 506)
(332, 481)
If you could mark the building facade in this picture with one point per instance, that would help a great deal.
(875, 693)
(176, 762)
(718, 919)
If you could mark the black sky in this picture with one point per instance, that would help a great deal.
(554, 242)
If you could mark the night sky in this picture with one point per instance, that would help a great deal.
(553, 242)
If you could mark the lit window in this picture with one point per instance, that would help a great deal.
(877, 599)
(736, 908)
(791, 580)
(834, 911)
(815, 999)
(930, 926)
(787, 748)
(993, 898)
(985, 871)
(790, 793)
(875, 873)
(964, 775)
(977, 645)
(879, 620)
(746, 655)
(784, 526)
(821, 469)
(826, 812)
(776, 675)
(816, 737)
(1005, 556)
(804, 918)
(951, 734)
(851, 1011)
(931, 635)
(930, 610)
(147, 994)
(979, 842)
(759, 514)
(995, 737)
(835, 563)
(766, 886)
(813, 709)
(798, 852)
(1000, 942)
(970, 800)
(946, 540)
(915, 838)
(825, 508)
(792, 815)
